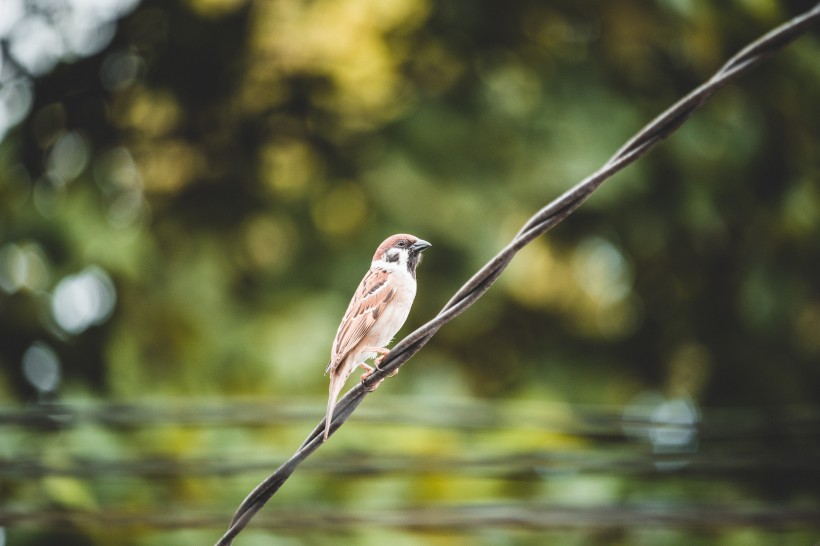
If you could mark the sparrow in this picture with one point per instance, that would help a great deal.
(376, 312)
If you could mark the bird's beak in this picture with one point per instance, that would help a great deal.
(420, 245)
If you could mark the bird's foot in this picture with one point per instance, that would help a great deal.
(382, 353)
(375, 385)
(379, 359)
(370, 370)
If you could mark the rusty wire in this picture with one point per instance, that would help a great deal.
(542, 221)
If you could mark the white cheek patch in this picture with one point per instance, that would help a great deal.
(393, 260)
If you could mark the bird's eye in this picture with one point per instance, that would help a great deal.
(401, 243)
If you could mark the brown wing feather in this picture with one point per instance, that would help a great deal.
(367, 304)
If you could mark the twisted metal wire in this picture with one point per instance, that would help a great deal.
(542, 221)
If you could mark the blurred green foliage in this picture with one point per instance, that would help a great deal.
(185, 213)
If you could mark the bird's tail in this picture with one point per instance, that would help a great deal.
(336, 384)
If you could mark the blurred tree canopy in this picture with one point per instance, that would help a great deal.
(227, 167)
(189, 197)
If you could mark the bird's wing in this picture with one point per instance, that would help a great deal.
(370, 300)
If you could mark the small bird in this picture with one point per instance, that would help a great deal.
(377, 311)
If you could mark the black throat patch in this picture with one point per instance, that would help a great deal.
(413, 259)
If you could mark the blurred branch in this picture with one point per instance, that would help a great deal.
(544, 220)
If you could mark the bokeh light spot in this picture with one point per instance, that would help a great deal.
(115, 170)
(15, 102)
(10, 15)
(534, 275)
(340, 211)
(83, 300)
(127, 209)
(49, 124)
(269, 242)
(89, 35)
(68, 157)
(602, 271)
(39, 35)
(154, 113)
(41, 367)
(170, 166)
(674, 425)
(807, 327)
(36, 45)
(119, 179)
(120, 70)
(511, 88)
(670, 425)
(49, 194)
(23, 266)
(17, 185)
(288, 167)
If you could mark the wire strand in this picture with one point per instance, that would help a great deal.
(541, 222)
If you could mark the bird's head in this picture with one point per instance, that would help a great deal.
(402, 249)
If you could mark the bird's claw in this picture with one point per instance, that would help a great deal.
(373, 387)
(376, 367)
(379, 359)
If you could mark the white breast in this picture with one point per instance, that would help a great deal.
(391, 321)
